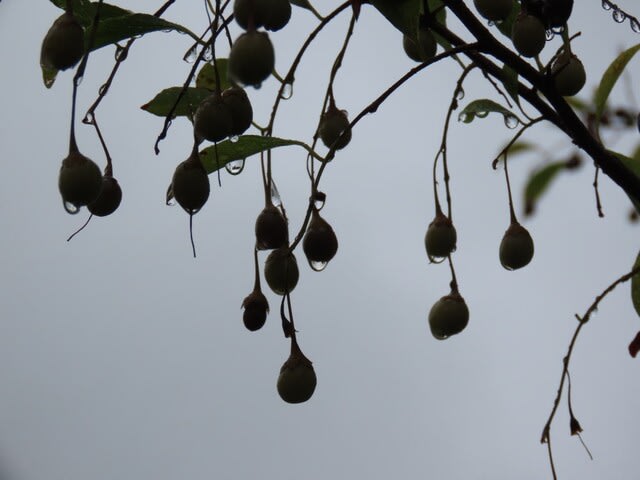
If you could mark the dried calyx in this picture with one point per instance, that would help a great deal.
(320, 243)
(271, 228)
(448, 316)
(63, 45)
(281, 271)
(240, 109)
(494, 10)
(441, 237)
(109, 198)
(568, 74)
(213, 120)
(256, 308)
(516, 247)
(334, 129)
(79, 181)
(270, 14)
(190, 184)
(297, 380)
(252, 58)
(423, 49)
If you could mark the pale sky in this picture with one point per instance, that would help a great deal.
(122, 357)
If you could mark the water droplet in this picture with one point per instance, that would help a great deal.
(318, 266)
(235, 167)
(275, 195)
(319, 198)
(70, 207)
(78, 80)
(606, 5)
(465, 117)
(558, 30)
(287, 91)
(635, 25)
(102, 90)
(89, 118)
(171, 203)
(511, 121)
(618, 15)
(191, 54)
(460, 93)
(257, 86)
(491, 23)
(208, 54)
(234, 138)
(121, 53)
(550, 35)
(482, 114)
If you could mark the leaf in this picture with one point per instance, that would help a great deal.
(115, 29)
(115, 24)
(303, 4)
(403, 14)
(481, 108)
(634, 346)
(161, 104)
(506, 25)
(632, 164)
(520, 147)
(610, 77)
(246, 146)
(635, 287)
(510, 82)
(539, 182)
(206, 77)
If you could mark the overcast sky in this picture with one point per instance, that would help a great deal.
(122, 357)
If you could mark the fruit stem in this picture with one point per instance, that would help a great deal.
(454, 282)
(256, 282)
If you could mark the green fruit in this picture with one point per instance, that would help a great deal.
(332, 124)
(63, 45)
(281, 271)
(297, 380)
(320, 243)
(494, 10)
(528, 35)
(252, 58)
(279, 14)
(246, 12)
(256, 308)
(213, 119)
(190, 185)
(448, 316)
(236, 99)
(516, 247)
(271, 229)
(568, 75)
(422, 50)
(80, 180)
(109, 199)
(440, 239)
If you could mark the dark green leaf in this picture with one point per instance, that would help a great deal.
(115, 29)
(511, 82)
(538, 183)
(246, 146)
(85, 11)
(162, 103)
(635, 286)
(507, 24)
(302, 3)
(403, 14)
(610, 78)
(206, 77)
(481, 108)
(632, 164)
(520, 147)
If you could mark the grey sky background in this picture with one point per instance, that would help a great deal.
(123, 357)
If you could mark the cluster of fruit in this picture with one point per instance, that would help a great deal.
(529, 35)
(80, 181)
